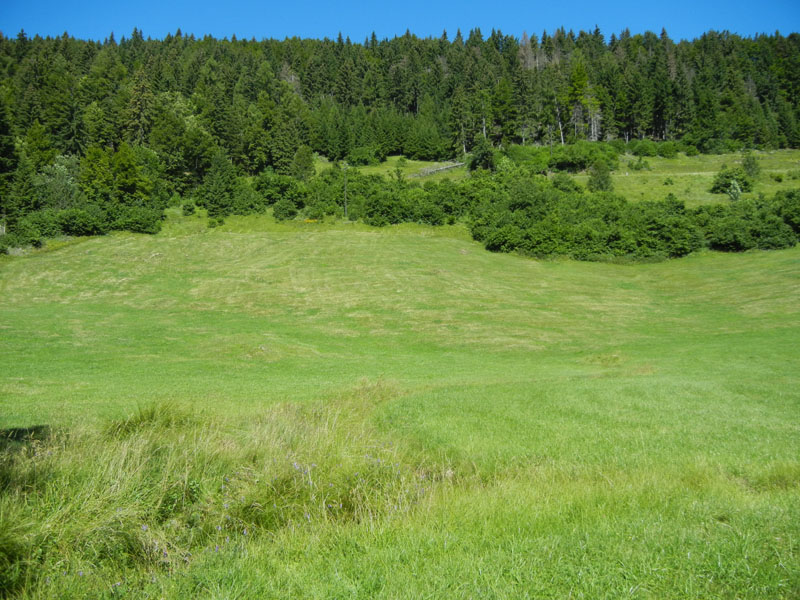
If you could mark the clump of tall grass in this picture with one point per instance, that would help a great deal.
(142, 496)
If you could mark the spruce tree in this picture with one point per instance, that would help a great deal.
(21, 198)
(219, 186)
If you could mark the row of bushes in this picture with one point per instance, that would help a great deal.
(581, 155)
(538, 219)
(34, 228)
(370, 198)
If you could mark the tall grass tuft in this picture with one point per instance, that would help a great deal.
(142, 496)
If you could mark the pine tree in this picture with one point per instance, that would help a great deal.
(21, 198)
(139, 115)
(219, 186)
(8, 154)
(38, 146)
(303, 163)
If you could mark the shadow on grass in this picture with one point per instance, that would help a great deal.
(15, 437)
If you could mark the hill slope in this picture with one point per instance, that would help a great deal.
(593, 429)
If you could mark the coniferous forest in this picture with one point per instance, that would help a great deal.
(101, 136)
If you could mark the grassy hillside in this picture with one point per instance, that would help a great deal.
(332, 410)
(690, 178)
(415, 170)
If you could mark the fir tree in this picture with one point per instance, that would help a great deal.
(219, 186)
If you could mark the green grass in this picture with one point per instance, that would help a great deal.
(395, 413)
(415, 170)
(692, 176)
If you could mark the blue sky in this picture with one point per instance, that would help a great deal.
(95, 19)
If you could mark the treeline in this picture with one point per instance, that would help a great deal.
(429, 98)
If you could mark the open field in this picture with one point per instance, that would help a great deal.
(416, 170)
(692, 176)
(330, 410)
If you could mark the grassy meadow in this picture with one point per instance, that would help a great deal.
(330, 410)
(688, 178)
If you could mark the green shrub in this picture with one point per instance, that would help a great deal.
(690, 150)
(750, 165)
(138, 219)
(581, 155)
(83, 221)
(565, 183)
(668, 149)
(45, 222)
(724, 180)
(535, 158)
(749, 224)
(482, 156)
(643, 148)
(272, 187)
(284, 209)
(600, 178)
(188, 209)
(363, 155)
(787, 205)
(25, 233)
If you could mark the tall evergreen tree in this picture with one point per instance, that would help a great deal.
(219, 186)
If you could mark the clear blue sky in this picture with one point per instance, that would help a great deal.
(95, 19)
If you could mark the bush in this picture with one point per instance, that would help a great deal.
(138, 219)
(45, 222)
(25, 233)
(581, 155)
(284, 209)
(273, 187)
(363, 155)
(750, 165)
(724, 181)
(786, 204)
(746, 225)
(482, 156)
(667, 150)
(643, 148)
(246, 200)
(565, 183)
(188, 209)
(617, 145)
(80, 221)
(730, 234)
(690, 150)
(600, 178)
(534, 158)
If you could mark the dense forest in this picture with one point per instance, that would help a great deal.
(99, 136)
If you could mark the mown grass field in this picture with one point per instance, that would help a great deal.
(329, 410)
(692, 176)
